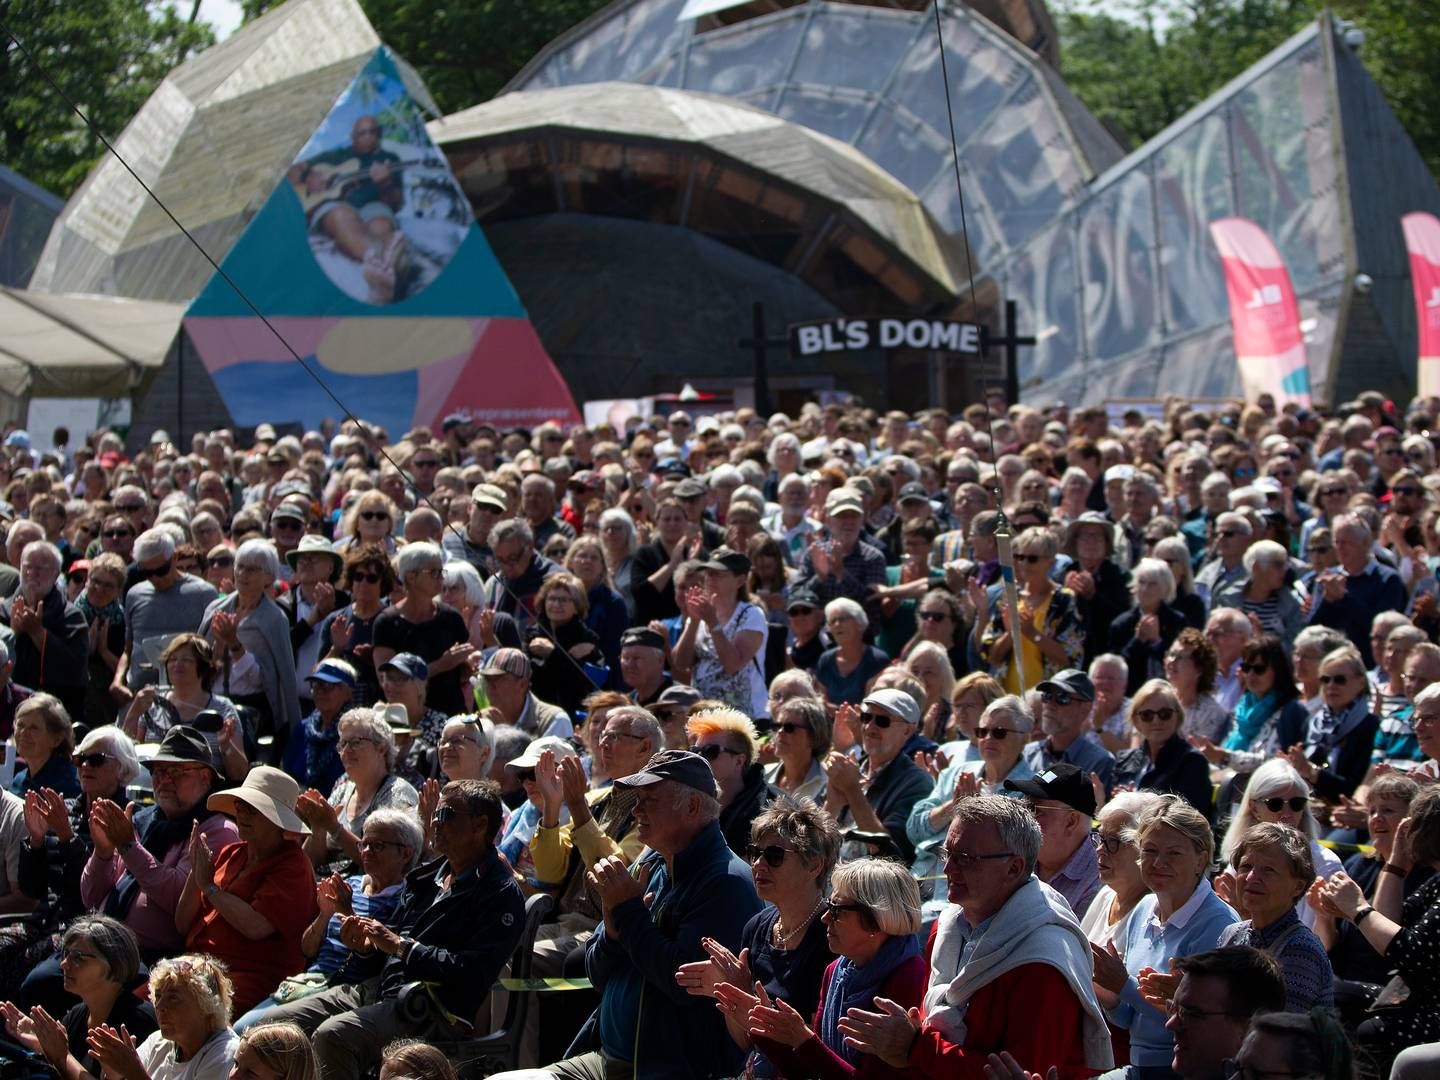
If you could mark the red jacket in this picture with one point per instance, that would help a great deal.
(812, 1058)
(1030, 1011)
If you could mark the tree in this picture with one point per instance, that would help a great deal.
(107, 56)
(466, 50)
(1141, 64)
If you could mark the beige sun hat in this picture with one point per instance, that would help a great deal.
(268, 790)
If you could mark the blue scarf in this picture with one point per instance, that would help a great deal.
(111, 611)
(854, 987)
(1250, 716)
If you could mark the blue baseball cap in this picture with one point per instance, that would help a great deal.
(333, 671)
(409, 665)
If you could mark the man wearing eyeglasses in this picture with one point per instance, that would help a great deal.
(457, 922)
(520, 570)
(1062, 799)
(1065, 702)
(1218, 992)
(1232, 537)
(1010, 968)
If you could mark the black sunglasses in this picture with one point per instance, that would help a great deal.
(934, 616)
(1295, 803)
(372, 578)
(835, 907)
(1256, 668)
(1056, 697)
(117, 534)
(710, 753)
(789, 727)
(773, 854)
(1029, 558)
(1149, 716)
(374, 515)
(1338, 680)
(996, 733)
(448, 813)
(94, 760)
(157, 571)
(879, 719)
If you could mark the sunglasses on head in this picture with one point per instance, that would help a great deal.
(1295, 803)
(773, 854)
(1150, 716)
(1338, 680)
(94, 760)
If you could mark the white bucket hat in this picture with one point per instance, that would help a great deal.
(268, 790)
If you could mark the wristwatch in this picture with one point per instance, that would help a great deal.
(1363, 914)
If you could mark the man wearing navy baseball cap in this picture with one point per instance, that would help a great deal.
(312, 756)
(1062, 799)
(689, 886)
(1065, 701)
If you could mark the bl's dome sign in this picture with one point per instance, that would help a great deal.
(853, 335)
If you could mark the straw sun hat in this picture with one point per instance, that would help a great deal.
(269, 791)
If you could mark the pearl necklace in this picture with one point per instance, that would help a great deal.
(783, 942)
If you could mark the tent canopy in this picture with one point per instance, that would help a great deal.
(69, 345)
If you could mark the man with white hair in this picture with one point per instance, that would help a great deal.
(537, 506)
(1229, 630)
(164, 603)
(1232, 537)
(1351, 594)
(50, 645)
(1007, 951)
(789, 524)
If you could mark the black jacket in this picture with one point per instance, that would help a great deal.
(1178, 769)
(560, 679)
(1146, 659)
(735, 819)
(1111, 598)
(300, 630)
(462, 938)
(61, 667)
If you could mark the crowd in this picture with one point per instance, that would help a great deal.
(1023, 743)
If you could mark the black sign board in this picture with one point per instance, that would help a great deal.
(853, 335)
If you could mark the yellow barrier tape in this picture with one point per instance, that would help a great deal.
(543, 984)
(1364, 849)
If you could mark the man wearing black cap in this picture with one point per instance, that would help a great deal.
(912, 503)
(694, 495)
(642, 664)
(1065, 701)
(688, 887)
(1063, 802)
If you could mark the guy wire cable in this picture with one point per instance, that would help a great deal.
(1002, 527)
(420, 496)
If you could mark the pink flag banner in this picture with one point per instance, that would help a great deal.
(1264, 314)
(1422, 240)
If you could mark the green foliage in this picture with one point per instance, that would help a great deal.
(1140, 64)
(466, 50)
(106, 55)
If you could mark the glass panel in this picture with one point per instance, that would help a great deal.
(942, 201)
(754, 54)
(909, 150)
(836, 113)
(626, 44)
(1137, 376)
(1284, 171)
(1044, 284)
(1119, 292)
(856, 48)
(1019, 162)
(1192, 189)
(980, 73)
(1202, 366)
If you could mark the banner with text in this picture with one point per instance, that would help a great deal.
(1264, 314)
(857, 335)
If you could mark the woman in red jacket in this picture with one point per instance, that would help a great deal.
(871, 920)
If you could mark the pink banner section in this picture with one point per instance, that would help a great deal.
(1422, 240)
(1264, 314)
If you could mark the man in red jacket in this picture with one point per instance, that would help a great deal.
(1010, 968)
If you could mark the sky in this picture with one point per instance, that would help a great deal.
(223, 15)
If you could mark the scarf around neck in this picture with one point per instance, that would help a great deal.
(854, 986)
(1250, 716)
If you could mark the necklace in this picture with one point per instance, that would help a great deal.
(783, 941)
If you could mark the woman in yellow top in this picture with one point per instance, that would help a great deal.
(1051, 634)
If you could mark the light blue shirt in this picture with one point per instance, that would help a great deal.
(1085, 753)
(1146, 942)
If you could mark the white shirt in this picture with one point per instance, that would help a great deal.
(211, 1062)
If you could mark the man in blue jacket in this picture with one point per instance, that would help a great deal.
(687, 886)
(1354, 592)
(457, 923)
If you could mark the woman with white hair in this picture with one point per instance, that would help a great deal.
(1144, 634)
(462, 589)
(1276, 793)
(1118, 857)
(619, 539)
(251, 636)
(193, 999)
(1263, 593)
(845, 670)
(1174, 552)
(783, 454)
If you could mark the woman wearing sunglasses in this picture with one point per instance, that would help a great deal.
(1334, 754)
(347, 634)
(792, 850)
(1051, 634)
(800, 742)
(1164, 761)
(371, 520)
(1278, 795)
(1001, 735)
(1270, 714)
(871, 920)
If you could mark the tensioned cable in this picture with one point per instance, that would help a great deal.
(420, 496)
(1002, 531)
